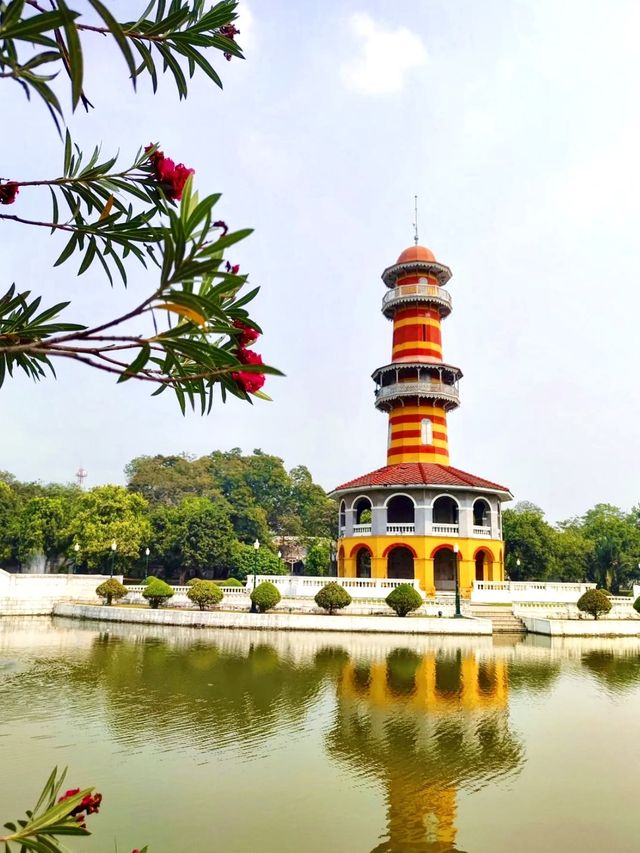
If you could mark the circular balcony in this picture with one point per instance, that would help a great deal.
(426, 389)
(413, 294)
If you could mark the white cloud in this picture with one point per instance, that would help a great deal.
(386, 55)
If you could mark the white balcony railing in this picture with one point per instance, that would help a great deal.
(446, 529)
(416, 293)
(401, 529)
(418, 388)
(361, 529)
(482, 531)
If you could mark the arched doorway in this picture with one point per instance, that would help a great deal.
(444, 570)
(481, 513)
(363, 563)
(445, 511)
(400, 563)
(362, 516)
(484, 565)
(400, 511)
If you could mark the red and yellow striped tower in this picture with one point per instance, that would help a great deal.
(417, 388)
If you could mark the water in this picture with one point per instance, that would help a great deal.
(245, 741)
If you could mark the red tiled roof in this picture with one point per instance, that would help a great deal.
(420, 474)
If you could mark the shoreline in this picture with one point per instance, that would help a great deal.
(278, 621)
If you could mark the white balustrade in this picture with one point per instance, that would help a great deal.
(420, 388)
(361, 529)
(482, 531)
(507, 592)
(401, 529)
(446, 529)
(305, 586)
(419, 292)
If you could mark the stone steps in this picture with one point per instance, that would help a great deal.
(502, 619)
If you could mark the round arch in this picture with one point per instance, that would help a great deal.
(359, 506)
(359, 547)
(481, 513)
(400, 562)
(445, 567)
(399, 495)
(445, 510)
(483, 559)
(394, 545)
(363, 562)
(401, 509)
(447, 546)
(343, 515)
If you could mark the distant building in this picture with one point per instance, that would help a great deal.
(419, 517)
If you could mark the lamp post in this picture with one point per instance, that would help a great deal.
(457, 614)
(146, 563)
(74, 565)
(256, 546)
(114, 548)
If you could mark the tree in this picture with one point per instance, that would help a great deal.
(571, 555)
(318, 559)
(528, 543)
(265, 596)
(332, 597)
(404, 599)
(616, 545)
(111, 589)
(205, 594)
(9, 503)
(247, 561)
(157, 593)
(191, 333)
(595, 602)
(196, 536)
(42, 528)
(317, 511)
(105, 515)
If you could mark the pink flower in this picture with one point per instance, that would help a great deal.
(249, 382)
(248, 335)
(8, 192)
(234, 270)
(229, 31)
(172, 178)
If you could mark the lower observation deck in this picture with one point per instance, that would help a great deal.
(424, 389)
(416, 294)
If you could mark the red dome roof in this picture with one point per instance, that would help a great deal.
(415, 253)
(421, 473)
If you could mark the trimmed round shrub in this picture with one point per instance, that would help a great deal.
(205, 594)
(229, 582)
(636, 604)
(265, 596)
(150, 578)
(332, 597)
(192, 581)
(111, 589)
(404, 599)
(157, 592)
(595, 602)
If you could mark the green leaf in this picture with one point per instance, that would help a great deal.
(75, 63)
(118, 34)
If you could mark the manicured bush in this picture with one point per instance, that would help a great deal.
(150, 578)
(157, 592)
(636, 604)
(265, 596)
(111, 589)
(192, 581)
(404, 598)
(332, 597)
(205, 594)
(229, 582)
(595, 602)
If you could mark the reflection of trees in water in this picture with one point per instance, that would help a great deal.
(533, 676)
(616, 671)
(424, 725)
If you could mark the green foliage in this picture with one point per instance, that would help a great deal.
(332, 597)
(594, 602)
(149, 578)
(529, 540)
(205, 594)
(105, 515)
(248, 561)
(636, 604)
(157, 593)
(111, 589)
(404, 599)
(365, 516)
(265, 596)
(197, 535)
(230, 582)
(111, 213)
(318, 559)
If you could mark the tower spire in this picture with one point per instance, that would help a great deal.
(415, 220)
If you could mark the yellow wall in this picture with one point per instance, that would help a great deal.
(424, 547)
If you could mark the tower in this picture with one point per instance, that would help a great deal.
(417, 388)
(418, 517)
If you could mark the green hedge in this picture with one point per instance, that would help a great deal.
(265, 596)
(404, 599)
(205, 594)
(332, 597)
(157, 592)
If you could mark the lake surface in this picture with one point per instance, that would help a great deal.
(234, 741)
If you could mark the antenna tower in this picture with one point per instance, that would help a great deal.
(81, 476)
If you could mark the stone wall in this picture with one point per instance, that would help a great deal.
(36, 594)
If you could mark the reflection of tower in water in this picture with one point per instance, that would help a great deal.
(425, 725)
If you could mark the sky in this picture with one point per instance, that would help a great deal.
(516, 124)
